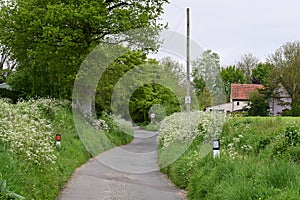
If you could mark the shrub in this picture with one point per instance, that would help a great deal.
(185, 127)
(12, 95)
(26, 132)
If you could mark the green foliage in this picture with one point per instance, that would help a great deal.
(231, 74)
(259, 104)
(12, 95)
(286, 61)
(207, 77)
(246, 64)
(50, 39)
(147, 96)
(112, 75)
(7, 64)
(5, 193)
(295, 108)
(159, 112)
(121, 131)
(262, 73)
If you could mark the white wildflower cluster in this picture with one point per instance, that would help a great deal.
(100, 124)
(232, 151)
(25, 132)
(184, 127)
(246, 147)
(237, 143)
(213, 123)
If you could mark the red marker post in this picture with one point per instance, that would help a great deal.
(58, 139)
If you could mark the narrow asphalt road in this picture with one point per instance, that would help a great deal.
(129, 172)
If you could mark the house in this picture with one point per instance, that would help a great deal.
(239, 97)
(280, 101)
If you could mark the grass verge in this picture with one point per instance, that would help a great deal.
(260, 159)
(38, 180)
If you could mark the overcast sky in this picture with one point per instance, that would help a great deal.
(235, 27)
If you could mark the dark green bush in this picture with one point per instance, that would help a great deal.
(12, 95)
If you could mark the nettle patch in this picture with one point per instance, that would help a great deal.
(25, 132)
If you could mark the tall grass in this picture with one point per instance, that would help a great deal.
(259, 160)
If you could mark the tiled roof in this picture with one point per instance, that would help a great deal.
(242, 91)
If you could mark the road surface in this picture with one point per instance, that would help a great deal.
(129, 172)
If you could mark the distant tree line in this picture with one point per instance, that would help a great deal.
(283, 66)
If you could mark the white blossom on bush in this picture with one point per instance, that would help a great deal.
(184, 127)
(100, 124)
(25, 132)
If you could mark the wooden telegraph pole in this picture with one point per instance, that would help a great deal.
(188, 83)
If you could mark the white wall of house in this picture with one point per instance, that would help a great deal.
(239, 105)
(229, 107)
(223, 107)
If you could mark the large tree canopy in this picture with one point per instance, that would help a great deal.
(207, 77)
(49, 39)
(286, 61)
(7, 65)
(231, 74)
(246, 64)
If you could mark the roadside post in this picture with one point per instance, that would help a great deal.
(152, 116)
(216, 148)
(58, 139)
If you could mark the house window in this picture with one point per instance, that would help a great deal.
(237, 103)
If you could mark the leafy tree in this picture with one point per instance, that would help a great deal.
(50, 39)
(259, 104)
(261, 73)
(246, 64)
(149, 95)
(7, 64)
(207, 79)
(286, 61)
(158, 93)
(111, 76)
(174, 68)
(231, 74)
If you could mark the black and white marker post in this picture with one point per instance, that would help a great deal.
(216, 148)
